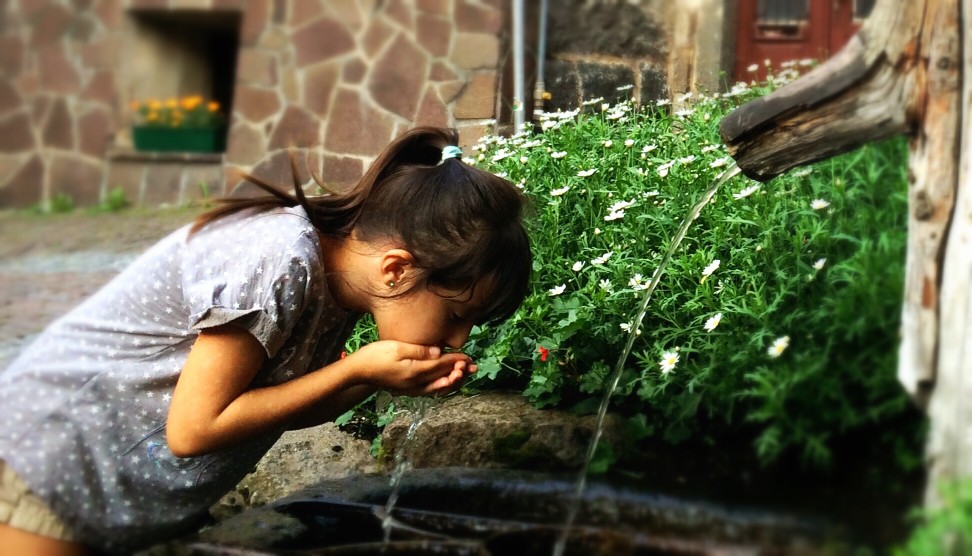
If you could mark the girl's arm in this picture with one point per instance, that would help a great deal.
(212, 408)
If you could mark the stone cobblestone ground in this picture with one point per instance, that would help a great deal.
(50, 263)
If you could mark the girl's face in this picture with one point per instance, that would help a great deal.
(429, 317)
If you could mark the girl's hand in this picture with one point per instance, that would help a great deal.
(410, 369)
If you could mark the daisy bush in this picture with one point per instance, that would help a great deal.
(777, 315)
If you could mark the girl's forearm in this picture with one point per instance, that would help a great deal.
(322, 394)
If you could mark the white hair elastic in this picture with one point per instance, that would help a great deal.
(450, 151)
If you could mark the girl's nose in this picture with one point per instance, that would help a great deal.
(457, 336)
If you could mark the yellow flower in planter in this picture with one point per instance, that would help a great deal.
(192, 111)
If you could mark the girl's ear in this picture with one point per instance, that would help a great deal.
(396, 266)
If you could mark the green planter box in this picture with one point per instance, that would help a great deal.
(180, 139)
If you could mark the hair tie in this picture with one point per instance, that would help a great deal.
(450, 151)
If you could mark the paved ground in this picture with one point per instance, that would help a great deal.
(50, 263)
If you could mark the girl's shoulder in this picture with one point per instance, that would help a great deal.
(279, 230)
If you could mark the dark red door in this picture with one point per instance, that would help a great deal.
(785, 30)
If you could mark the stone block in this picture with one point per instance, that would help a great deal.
(201, 182)
(245, 144)
(432, 111)
(599, 79)
(110, 13)
(478, 100)
(296, 128)
(16, 134)
(26, 186)
(434, 34)
(78, 177)
(619, 29)
(163, 183)
(348, 13)
(319, 84)
(57, 73)
(324, 39)
(59, 128)
(10, 99)
(50, 25)
(101, 88)
(358, 128)
(376, 36)
(393, 83)
(435, 7)
(478, 18)
(11, 55)
(302, 11)
(127, 176)
(275, 169)
(256, 16)
(654, 83)
(95, 131)
(341, 173)
(256, 67)
(562, 83)
(475, 51)
(401, 12)
(471, 132)
(255, 104)
(442, 72)
(354, 71)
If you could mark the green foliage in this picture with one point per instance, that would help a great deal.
(115, 201)
(805, 273)
(946, 530)
(60, 203)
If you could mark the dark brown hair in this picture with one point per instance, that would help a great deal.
(462, 224)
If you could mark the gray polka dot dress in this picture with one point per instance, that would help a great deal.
(84, 406)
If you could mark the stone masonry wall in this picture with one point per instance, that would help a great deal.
(596, 46)
(336, 79)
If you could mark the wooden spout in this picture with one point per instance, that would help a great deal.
(862, 94)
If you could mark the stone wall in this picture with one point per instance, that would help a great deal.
(336, 79)
(596, 46)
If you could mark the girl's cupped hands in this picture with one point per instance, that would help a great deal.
(411, 369)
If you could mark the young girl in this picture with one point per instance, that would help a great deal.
(127, 418)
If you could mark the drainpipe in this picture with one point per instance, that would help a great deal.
(540, 90)
(518, 93)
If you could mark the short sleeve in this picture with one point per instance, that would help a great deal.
(253, 274)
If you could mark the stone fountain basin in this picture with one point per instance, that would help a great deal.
(482, 512)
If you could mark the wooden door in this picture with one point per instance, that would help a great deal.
(787, 30)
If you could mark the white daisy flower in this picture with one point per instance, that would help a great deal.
(625, 87)
(752, 67)
(719, 163)
(709, 148)
(648, 148)
(558, 154)
(523, 160)
(586, 173)
(687, 159)
(712, 322)
(625, 326)
(621, 205)
(779, 346)
(707, 271)
(746, 192)
(607, 143)
(606, 285)
(557, 290)
(668, 361)
(597, 231)
(577, 266)
(662, 102)
(592, 101)
(560, 191)
(819, 204)
(603, 258)
(819, 264)
(614, 215)
(629, 142)
(501, 154)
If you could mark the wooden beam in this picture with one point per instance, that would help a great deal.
(950, 438)
(862, 94)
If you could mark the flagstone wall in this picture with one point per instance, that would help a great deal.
(335, 79)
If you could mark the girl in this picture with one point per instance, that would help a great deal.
(127, 418)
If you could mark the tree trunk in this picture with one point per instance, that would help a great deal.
(903, 73)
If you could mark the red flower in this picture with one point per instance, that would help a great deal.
(344, 354)
(544, 352)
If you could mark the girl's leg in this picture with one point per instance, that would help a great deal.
(16, 541)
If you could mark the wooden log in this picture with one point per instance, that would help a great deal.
(950, 438)
(862, 94)
(932, 178)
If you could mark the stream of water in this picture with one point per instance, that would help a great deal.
(402, 464)
(693, 213)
